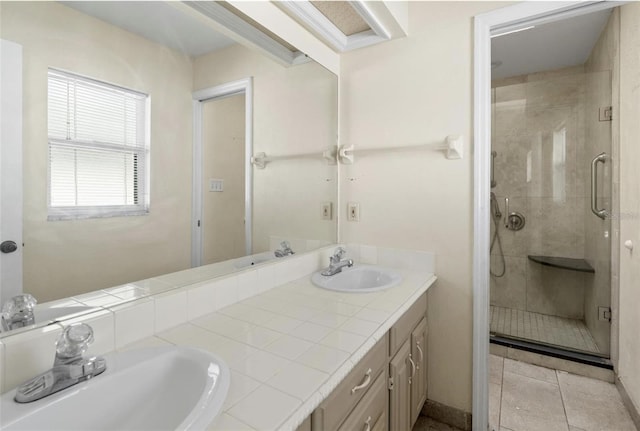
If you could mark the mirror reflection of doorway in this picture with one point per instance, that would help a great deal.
(223, 179)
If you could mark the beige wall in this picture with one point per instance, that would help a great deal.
(64, 258)
(294, 112)
(409, 91)
(223, 149)
(629, 354)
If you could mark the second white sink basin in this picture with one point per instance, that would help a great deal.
(359, 279)
(164, 388)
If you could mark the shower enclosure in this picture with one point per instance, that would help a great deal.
(551, 265)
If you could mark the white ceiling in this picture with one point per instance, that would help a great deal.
(157, 21)
(547, 47)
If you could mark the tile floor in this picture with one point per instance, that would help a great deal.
(554, 330)
(524, 397)
(427, 424)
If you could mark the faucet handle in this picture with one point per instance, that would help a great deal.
(339, 252)
(284, 245)
(18, 304)
(74, 341)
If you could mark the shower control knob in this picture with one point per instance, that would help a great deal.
(629, 244)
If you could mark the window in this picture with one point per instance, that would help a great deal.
(98, 148)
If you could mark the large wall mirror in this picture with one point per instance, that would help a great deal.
(167, 53)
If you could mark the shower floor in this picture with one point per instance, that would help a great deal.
(557, 331)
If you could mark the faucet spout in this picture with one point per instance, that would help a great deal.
(336, 264)
(285, 251)
(69, 366)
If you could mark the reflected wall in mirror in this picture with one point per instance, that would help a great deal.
(294, 112)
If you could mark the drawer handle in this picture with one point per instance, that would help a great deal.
(413, 368)
(364, 384)
(367, 424)
(421, 353)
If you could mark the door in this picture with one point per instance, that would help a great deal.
(419, 381)
(10, 170)
(400, 394)
(223, 179)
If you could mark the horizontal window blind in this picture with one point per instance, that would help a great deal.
(98, 148)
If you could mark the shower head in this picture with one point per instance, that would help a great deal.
(495, 208)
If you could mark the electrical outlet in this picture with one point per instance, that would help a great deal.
(353, 211)
(327, 211)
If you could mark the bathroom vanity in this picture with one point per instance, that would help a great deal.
(300, 356)
(388, 387)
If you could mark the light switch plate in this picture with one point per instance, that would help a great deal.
(216, 185)
(353, 211)
(327, 211)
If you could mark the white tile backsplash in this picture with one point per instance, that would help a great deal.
(29, 353)
(407, 259)
(247, 284)
(133, 321)
(266, 278)
(209, 296)
(170, 309)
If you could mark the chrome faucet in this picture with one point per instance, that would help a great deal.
(69, 366)
(285, 251)
(336, 263)
(18, 312)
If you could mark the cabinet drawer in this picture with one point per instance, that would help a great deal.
(371, 412)
(403, 327)
(332, 411)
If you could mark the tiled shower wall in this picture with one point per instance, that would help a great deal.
(539, 137)
(545, 133)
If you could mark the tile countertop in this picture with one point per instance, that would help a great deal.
(289, 347)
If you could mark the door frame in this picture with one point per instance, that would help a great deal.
(498, 21)
(11, 188)
(200, 97)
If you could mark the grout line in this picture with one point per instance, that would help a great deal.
(564, 407)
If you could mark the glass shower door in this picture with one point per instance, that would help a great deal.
(550, 254)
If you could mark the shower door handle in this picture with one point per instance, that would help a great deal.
(600, 158)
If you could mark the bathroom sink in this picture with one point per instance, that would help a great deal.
(359, 279)
(163, 388)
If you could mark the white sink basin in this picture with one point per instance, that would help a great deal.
(358, 279)
(163, 388)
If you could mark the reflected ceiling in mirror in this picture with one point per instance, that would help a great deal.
(169, 55)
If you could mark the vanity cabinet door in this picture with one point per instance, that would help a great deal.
(419, 380)
(400, 371)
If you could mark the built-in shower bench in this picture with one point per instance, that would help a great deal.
(569, 263)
